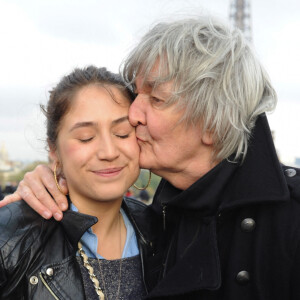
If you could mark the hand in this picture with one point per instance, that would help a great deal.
(36, 188)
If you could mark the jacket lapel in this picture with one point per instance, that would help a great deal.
(197, 264)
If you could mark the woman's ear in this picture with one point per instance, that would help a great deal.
(53, 157)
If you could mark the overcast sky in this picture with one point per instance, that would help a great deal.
(40, 41)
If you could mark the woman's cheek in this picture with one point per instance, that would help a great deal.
(74, 151)
(132, 146)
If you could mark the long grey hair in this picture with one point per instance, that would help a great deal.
(216, 77)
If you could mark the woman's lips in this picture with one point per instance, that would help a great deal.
(111, 172)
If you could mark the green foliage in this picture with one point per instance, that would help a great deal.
(143, 180)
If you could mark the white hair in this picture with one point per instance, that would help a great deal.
(216, 77)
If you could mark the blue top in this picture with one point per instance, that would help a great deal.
(89, 240)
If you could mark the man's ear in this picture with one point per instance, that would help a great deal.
(207, 138)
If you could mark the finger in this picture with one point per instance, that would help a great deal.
(42, 181)
(37, 196)
(28, 196)
(10, 199)
(34, 192)
(59, 197)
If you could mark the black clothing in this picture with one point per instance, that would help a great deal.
(38, 256)
(121, 278)
(234, 234)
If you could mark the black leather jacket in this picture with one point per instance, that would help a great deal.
(38, 257)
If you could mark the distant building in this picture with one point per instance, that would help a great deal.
(5, 165)
(8, 168)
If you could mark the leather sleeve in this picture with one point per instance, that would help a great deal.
(3, 278)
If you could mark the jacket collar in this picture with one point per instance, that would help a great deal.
(259, 179)
(76, 224)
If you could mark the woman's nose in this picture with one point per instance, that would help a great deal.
(107, 149)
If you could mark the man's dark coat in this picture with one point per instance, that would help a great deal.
(234, 234)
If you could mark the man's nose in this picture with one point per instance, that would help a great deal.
(137, 111)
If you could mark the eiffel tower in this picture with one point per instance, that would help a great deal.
(240, 16)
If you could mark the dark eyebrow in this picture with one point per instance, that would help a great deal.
(120, 120)
(83, 124)
(94, 124)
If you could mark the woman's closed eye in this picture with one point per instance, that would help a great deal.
(123, 136)
(86, 140)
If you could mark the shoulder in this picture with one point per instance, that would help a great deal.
(140, 215)
(135, 209)
(292, 177)
(18, 220)
(134, 205)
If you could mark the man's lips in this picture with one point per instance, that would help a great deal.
(140, 139)
(109, 172)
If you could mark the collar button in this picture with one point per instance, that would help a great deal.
(243, 277)
(49, 272)
(290, 172)
(248, 225)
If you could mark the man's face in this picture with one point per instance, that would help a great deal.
(176, 152)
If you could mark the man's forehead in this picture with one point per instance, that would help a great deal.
(149, 79)
(151, 85)
(144, 83)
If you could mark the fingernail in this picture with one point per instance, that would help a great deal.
(46, 214)
(63, 206)
(58, 216)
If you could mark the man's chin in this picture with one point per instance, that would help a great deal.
(144, 163)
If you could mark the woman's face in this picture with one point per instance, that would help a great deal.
(96, 145)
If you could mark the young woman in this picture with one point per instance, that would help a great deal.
(94, 252)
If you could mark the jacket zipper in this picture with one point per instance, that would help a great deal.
(47, 286)
(164, 208)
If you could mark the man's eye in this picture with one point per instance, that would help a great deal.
(156, 99)
(86, 140)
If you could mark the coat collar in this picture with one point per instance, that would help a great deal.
(259, 179)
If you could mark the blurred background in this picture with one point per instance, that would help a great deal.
(40, 41)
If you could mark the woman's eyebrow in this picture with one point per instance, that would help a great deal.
(83, 124)
(94, 124)
(120, 120)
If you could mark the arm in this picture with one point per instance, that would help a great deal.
(39, 190)
(295, 276)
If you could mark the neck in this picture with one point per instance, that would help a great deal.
(188, 174)
(110, 228)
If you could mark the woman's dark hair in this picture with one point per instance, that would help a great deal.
(62, 95)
